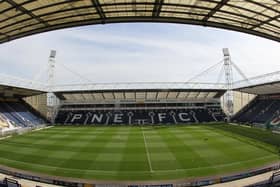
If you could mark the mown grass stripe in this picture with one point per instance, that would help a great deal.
(121, 153)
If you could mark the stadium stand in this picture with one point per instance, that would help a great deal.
(262, 110)
(7, 182)
(3, 122)
(139, 106)
(161, 114)
(17, 114)
(275, 179)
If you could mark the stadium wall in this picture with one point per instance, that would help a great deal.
(64, 181)
(39, 103)
(240, 100)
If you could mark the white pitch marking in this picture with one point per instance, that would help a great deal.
(147, 151)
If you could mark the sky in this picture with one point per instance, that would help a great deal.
(137, 52)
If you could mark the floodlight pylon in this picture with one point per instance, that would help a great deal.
(51, 99)
(51, 68)
(229, 82)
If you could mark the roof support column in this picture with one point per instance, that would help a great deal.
(157, 8)
(99, 10)
(215, 9)
(25, 11)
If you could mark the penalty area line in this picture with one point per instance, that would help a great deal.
(147, 151)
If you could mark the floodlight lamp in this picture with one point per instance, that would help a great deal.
(226, 51)
(53, 54)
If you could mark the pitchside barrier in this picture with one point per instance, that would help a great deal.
(10, 132)
(63, 181)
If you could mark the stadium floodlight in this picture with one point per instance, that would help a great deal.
(226, 51)
(51, 99)
(53, 54)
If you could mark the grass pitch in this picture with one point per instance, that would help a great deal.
(135, 153)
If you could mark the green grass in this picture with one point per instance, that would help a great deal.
(135, 153)
(254, 133)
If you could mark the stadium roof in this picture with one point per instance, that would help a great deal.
(172, 91)
(260, 85)
(19, 18)
(15, 92)
(144, 95)
(11, 81)
(262, 89)
(138, 86)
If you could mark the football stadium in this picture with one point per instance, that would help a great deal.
(140, 133)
